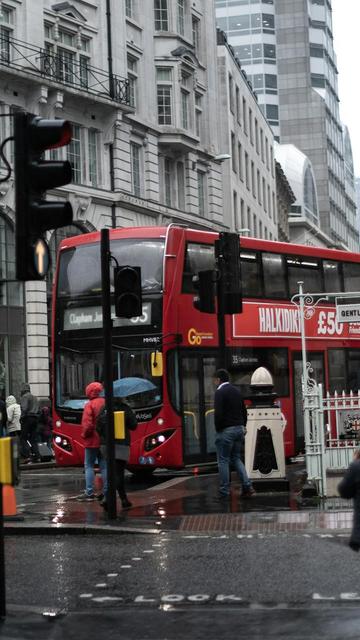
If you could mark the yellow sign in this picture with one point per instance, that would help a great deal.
(196, 338)
(6, 461)
(156, 364)
(119, 425)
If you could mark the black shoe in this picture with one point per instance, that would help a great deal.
(248, 493)
(126, 504)
(354, 546)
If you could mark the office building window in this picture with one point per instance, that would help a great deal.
(184, 109)
(93, 157)
(201, 193)
(161, 15)
(164, 104)
(198, 114)
(195, 23)
(67, 55)
(135, 169)
(74, 154)
(164, 95)
(180, 174)
(132, 77)
(181, 16)
(129, 8)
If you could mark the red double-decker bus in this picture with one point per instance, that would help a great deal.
(175, 416)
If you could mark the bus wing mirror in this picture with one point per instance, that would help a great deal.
(156, 364)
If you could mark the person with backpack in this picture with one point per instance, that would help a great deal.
(92, 441)
(230, 423)
(13, 412)
(122, 447)
(29, 416)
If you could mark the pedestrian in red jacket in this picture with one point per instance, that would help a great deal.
(92, 441)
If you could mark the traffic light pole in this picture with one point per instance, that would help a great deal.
(108, 373)
(221, 323)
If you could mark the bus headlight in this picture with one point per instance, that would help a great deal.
(157, 438)
(63, 443)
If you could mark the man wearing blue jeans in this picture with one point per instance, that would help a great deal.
(230, 423)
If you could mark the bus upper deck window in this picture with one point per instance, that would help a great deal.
(250, 274)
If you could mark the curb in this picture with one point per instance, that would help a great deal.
(39, 528)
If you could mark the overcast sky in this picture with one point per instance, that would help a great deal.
(346, 21)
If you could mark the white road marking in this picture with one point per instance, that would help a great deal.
(101, 584)
(85, 595)
(112, 575)
(125, 566)
(107, 599)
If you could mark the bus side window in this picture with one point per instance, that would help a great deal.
(274, 275)
(332, 276)
(250, 274)
(351, 272)
(199, 257)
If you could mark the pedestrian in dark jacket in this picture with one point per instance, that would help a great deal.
(122, 447)
(349, 487)
(92, 441)
(29, 416)
(230, 423)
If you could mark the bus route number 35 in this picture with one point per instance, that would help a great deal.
(328, 324)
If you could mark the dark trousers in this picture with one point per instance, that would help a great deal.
(29, 437)
(120, 478)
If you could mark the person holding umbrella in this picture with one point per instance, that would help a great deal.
(122, 447)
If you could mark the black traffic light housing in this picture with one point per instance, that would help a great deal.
(127, 291)
(33, 177)
(227, 253)
(204, 283)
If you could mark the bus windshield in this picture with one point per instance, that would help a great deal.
(76, 369)
(80, 266)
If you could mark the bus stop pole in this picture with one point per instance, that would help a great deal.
(108, 373)
(2, 560)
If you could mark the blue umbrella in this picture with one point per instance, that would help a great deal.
(130, 386)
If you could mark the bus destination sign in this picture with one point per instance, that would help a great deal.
(91, 318)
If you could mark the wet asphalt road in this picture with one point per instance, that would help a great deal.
(176, 586)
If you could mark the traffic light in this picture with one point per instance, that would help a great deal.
(127, 292)
(33, 177)
(227, 253)
(204, 283)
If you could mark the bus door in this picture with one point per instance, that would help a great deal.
(317, 364)
(198, 407)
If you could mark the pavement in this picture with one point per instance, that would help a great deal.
(46, 503)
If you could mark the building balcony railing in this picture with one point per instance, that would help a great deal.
(62, 68)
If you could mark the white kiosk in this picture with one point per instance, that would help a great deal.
(264, 442)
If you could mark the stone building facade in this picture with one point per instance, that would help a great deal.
(138, 81)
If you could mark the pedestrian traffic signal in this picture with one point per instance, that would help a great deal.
(127, 292)
(33, 177)
(204, 284)
(227, 253)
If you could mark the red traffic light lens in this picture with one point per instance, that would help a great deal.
(49, 134)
